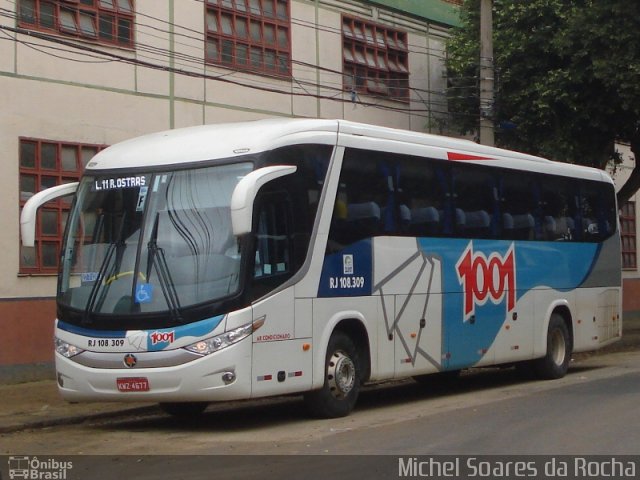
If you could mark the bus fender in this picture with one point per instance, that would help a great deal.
(336, 321)
(540, 346)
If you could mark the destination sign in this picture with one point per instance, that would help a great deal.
(119, 182)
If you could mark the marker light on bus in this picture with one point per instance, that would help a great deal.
(66, 349)
(213, 344)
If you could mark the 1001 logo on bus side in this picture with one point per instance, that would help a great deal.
(485, 279)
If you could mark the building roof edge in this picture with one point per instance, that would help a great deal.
(438, 11)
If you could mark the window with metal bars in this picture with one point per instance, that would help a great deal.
(105, 21)
(628, 235)
(375, 59)
(249, 35)
(45, 164)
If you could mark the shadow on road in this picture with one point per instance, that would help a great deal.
(252, 415)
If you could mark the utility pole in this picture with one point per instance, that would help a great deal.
(486, 73)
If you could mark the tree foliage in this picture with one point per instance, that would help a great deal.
(567, 78)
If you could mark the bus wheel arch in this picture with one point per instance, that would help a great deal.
(555, 363)
(356, 330)
(346, 367)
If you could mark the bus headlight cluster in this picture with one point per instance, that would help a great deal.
(214, 344)
(67, 349)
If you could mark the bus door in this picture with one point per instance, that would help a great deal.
(280, 364)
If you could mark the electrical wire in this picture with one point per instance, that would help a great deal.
(188, 61)
(197, 59)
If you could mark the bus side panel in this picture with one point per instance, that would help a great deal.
(418, 334)
(598, 320)
(599, 301)
(608, 317)
(489, 283)
(514, 341)
(280, 364)
(386, 347)
(585, 323)
(413, 278)
(281, 367)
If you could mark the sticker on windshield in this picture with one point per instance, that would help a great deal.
(119, 182)
(88, 277)
(144, 293)
(142, 198)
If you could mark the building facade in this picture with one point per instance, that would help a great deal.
(79, 75)
(629, 234)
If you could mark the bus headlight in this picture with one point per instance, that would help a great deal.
(66, 349)
(214, 344)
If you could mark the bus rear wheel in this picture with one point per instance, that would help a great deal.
(343, 375)
(559, 347)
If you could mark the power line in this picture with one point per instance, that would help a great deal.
(220, 78)
(99, 56)
(200, 37)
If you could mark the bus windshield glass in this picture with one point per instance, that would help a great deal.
(151, 242)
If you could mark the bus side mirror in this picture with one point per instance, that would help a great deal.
(245, 194)
(28, 215)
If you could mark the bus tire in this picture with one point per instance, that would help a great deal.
(342, 379)
(184, 409)
(556, 362)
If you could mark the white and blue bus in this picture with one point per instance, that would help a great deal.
(285, 256)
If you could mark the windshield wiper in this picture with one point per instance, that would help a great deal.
(93, 294)
(164, 275)
(115, 246)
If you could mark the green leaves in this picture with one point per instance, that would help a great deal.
(567, 71)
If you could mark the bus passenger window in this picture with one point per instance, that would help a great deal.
(597, 211)
(363, 206)
(475, 199)
(558, 209)
(518, 206)
(423, 197)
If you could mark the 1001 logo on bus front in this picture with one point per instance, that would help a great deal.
(483, 279)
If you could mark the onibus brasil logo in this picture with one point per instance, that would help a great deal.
(33, 468)
(484, 279)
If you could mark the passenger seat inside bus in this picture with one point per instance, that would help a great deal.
(559, 228)
(518, 226)
(476, 224)
(364, 218)
(354, 222)
(424, 221)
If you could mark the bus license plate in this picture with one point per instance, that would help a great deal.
(133, 384)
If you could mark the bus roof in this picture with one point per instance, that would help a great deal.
(228, 140)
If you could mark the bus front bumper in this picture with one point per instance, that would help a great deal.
(223, 375)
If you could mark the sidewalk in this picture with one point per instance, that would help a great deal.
(38, 405)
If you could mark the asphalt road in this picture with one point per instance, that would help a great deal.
(594, 410)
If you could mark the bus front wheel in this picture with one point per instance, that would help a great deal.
(559, 347)
(342, 379)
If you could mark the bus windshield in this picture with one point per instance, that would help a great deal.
(151, 242)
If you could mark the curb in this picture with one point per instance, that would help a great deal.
(77, 419)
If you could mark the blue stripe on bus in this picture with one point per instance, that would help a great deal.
(555, 265)
(87, 332)
(197, 329)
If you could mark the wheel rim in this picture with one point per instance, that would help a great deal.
(558, 347)
(341, 375)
